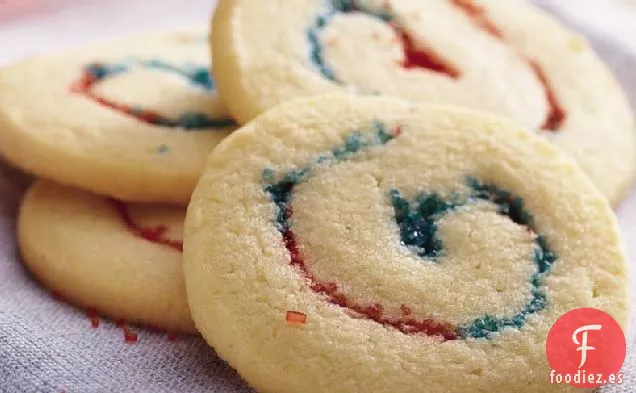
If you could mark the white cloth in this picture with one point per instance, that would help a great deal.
(48, 346)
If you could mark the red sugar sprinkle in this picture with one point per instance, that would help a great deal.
(479, 16)
(130, 337)
(374, 312)
(93, 315)
(56, 296)
(83, 84)
(149, 116)
(556, 117)
(120, 323)
(172, 337)
(296, 317)
(155, 235)
(419, 56)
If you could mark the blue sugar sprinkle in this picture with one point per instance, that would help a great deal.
(202, 77)
(198, 76)
(199, 120)
(382, 135)
(100, 71)
(418, 224)
(163, 149)
(508, 204)
(354, 142)
(268, 175)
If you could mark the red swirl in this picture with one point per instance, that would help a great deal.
(417, 55)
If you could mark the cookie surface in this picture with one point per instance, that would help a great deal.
(133, 118)
(424, 248)
(124, 260)
(501, 56)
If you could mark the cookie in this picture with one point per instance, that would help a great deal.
(366, 244)
(505, 57)
(123, 260)
(133, 118)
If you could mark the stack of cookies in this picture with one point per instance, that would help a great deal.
(383, 195)
(111, 128)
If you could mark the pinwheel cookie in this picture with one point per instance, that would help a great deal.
(124, 260)
(501, 56)
(133, 118)
(343, 244)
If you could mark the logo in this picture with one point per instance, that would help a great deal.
(586, 348)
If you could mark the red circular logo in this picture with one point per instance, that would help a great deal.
(586, 349)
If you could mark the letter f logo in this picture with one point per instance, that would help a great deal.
(583, 344)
